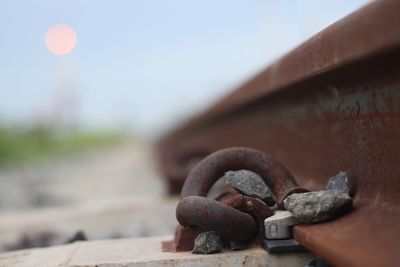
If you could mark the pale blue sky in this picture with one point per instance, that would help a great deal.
(147, 64)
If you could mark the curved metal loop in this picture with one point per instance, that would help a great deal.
(257, 208)
(214, 166)
(211, 215)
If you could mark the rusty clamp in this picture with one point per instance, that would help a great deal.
(198, 212)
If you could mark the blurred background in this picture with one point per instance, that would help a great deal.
(87, 86)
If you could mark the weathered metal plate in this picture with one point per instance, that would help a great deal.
(282, 246)
(331, 104)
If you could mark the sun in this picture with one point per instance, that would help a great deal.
(60, 39)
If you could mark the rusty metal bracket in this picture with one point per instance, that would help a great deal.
(214, 166)
(207, 214)
(235, 217)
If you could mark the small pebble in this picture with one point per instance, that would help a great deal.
(312, 207)
(207, 243)
(340, 183)
(250, 184)
(78, 236)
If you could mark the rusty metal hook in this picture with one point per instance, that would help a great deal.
(207, 214)
(214, 166)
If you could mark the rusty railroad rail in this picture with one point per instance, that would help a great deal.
(331, 104)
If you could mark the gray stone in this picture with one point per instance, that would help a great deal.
(236, 245)
(318, 206)
(248, 183)
(340, 183)
(279, 226)
(78, 236)
(207, 243)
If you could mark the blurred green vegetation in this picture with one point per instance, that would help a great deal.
(22, 145)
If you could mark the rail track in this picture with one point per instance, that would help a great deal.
(331, 104)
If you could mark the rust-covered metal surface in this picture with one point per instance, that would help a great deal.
(211, 215)
(213, 167)
(331, 104)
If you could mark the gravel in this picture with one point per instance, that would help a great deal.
(317, 206)
(249, 183)
(207, 243)
(340, 183)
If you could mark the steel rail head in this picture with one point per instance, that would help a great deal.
(210, 215)
(214, 166)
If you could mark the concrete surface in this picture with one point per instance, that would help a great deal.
(143, 252)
